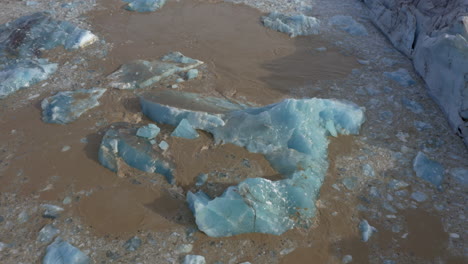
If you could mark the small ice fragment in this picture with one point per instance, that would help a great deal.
(23, 217)
(61, 252)
(321, 49)
(428, 169)
(419, 196)
(348, 24)
(413, 106)
(150, 131)
(185, 130)
(366, 230)
(194, 259)
(368, 170)
(67, 200)
(347, 259)
(192, 74)
(51, 211)
(144, 5)
(66, 148)
(201, 179)
(47, 233)
(184, 249)
(460, 175)
(401, 76)
(163, 145)
(294, 25)
(454, 235)
(350, 183)
(132, 244)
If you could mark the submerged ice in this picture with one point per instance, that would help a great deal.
(292, 135)
(141, 73)
(293, 25)
(66, 107)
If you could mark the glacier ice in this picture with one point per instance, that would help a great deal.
(61, 252)
(141, 73)
(22, 41)
(429, 170)
(366, 230)
(401, 76)
(22, 73)
(348, 24)
(185, 130)
(66, 107)
(144, 5)
(292, 135)
(294, 25)
(121, 142)
(149, 131)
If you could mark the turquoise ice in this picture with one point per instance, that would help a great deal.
(185, 130)
(121, 142)
(149, 131)
(292, 135)
(293, 25)
(61, 252)
(144, 5)
(66, 107)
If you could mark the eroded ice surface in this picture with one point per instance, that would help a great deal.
(293, 25)
(144, 5)
(348, 24)
(23, 73)
(429, 170)
(141, 73)
(66, 107)
(293, 136)
(121, 142)
(61, 252)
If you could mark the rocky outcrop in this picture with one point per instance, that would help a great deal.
(434, 34)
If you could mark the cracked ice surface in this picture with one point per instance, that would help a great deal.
(293, 25)
(141, 73)
(293, 136)
(66, 107)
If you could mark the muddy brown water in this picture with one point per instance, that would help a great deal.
(243, 59)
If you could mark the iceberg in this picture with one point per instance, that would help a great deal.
(185, 130)
(348, 24)
(293, 137)
(293, 25)
(61, 252)
(121, 142)
(428, 170)
(140, 73)
(22, 73)
(144, 5)
(66, 107)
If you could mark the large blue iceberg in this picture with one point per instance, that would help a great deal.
(141, 73)
(21, 44)
(66, 107)
(22, 73)
(61, 252)
(292, 135)
(121, 142)
(293, 25)
(144, 5)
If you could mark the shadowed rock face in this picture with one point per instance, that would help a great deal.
(434, 33)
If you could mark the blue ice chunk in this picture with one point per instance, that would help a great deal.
(194, 259)
(401, 76)
(419, 196)
(368, 170)
(163, 145)
(348, 24)
(350, 183)
(413, 106)
(61, 252)
(136, 151)
(150, 131)
(51, 211)
(460, 175)
(28, 35)
(293, 136)
(192, 74)
(396, 184)
(132, 244)
(144, 5)
(47, 233)
(366, 230)
(294, 25)
(141, 73)
(23, 73)
(421, 126)
(201, 179)
(66, 107)
(185, 130)
(429, 170)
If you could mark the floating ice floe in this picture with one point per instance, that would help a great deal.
(292, 135)
(141, 73)
(121, 142)
(144, 5)
(293, 25)
(348, 24)
(22, 40)
(61, 252)
(429, 170)
(66, 107)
